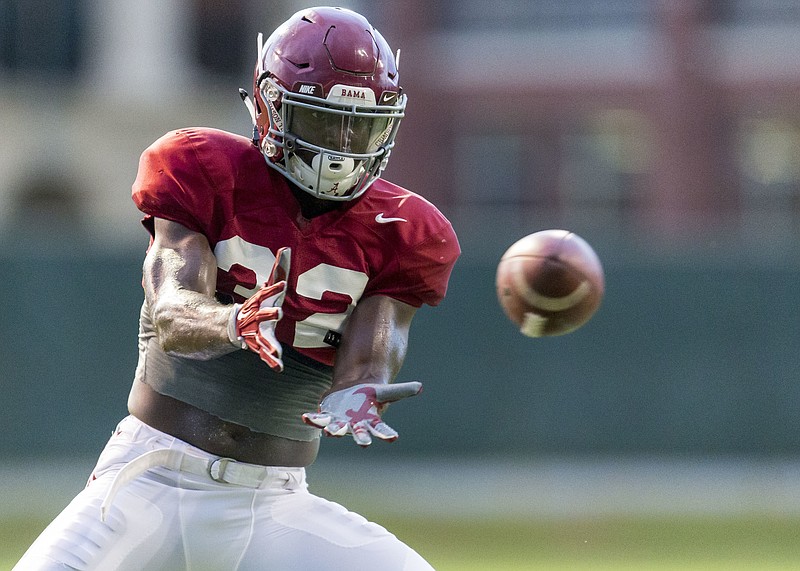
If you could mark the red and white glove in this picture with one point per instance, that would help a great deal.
(356, 410)
(253, 322)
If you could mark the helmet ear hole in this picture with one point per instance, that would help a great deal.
(273, 94)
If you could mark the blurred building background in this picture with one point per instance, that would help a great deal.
(665, 132)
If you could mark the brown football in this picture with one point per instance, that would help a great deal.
(550, 283)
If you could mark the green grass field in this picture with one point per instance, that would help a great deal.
(618, 544)
(615, 544)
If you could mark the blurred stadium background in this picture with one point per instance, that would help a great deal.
(665, 132)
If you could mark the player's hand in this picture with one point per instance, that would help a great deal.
(356, 410)
(255, 320)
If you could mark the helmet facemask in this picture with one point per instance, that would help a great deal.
(327, 102)
(333, 148)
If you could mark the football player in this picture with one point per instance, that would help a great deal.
(279, 287)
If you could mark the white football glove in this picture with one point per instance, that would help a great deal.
(252, 324)
(356, 410)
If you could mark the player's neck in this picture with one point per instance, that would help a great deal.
(311, 207)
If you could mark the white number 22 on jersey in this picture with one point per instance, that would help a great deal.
(311, 284)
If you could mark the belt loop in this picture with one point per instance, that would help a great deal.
(137, 426)
(292, 480)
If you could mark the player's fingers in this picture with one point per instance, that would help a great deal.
(383, 431)
(269, 290)
(318, 419)
(280, 269)
(268, 342)
(397, 391)
(337, 428)
(361, 433)
(271, 355)
(274, 363)
(267, 314)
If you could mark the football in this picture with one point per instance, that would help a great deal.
(550, 283)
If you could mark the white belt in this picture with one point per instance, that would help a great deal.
(222, 470)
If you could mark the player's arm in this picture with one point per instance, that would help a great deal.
(180, 276)
(373, 348)
(374, 342)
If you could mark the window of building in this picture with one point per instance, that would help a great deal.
(769, 158)
(605, 160)
(596, 165)
(757, 11)
(524, 14)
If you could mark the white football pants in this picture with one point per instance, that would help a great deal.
(183, 518)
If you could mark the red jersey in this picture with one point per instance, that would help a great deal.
(387, 242)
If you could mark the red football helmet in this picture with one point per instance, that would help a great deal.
(327, 102)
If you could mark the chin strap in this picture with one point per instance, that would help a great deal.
(252, 110)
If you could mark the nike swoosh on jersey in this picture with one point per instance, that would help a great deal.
(381, 219)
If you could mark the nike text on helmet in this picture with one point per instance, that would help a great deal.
(327, 102)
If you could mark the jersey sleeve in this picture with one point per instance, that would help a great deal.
(419, 274)
(172, 184)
